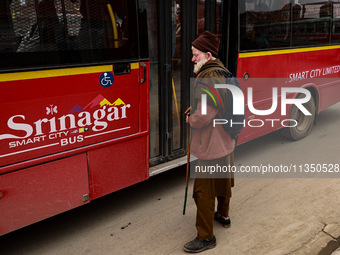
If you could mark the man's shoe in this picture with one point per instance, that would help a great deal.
(198, 245)
(224, 221)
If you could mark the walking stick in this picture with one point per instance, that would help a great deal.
(176, 104)
(188, 163)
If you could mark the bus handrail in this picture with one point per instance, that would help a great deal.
(114, 27)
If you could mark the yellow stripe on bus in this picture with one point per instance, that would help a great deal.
(135, 65)
(54, 73)
(286, 51)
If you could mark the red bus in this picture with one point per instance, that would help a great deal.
(93, 92)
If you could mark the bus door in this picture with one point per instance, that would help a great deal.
(171, 29)
(169, 57)
(172, 26)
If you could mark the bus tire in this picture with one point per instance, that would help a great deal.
(304, 122)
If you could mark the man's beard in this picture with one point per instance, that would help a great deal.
(198, 65)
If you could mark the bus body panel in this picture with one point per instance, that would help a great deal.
(144, 93)
(316, 68)
(70, 113)
(42, 191)
(318, 65)
(66, 112)
(125, 162)
(118, 166)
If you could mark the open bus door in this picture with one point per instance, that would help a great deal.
(173, 25)
(168, 76)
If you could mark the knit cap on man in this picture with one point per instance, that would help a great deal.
(207, 42)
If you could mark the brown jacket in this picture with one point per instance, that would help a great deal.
(209, 142)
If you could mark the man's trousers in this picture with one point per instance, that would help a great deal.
(205, 191)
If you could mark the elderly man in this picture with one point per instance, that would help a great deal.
(211, 145)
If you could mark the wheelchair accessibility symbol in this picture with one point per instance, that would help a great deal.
(106, 79)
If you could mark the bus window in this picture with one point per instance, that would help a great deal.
(219, 19)
(311, 23)
(153, 35)
(200, 20)
(102, 25)
(56, 32)
(264, 24)
(7, 34)
(43, 31)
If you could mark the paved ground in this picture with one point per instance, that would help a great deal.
(269, 215)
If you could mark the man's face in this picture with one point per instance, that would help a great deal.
(199, 58)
